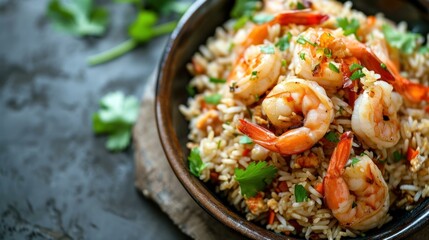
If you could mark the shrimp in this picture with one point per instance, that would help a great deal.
(255, 73)
(283, 106)
(311, 59)
(300, 17)
(374, 117)
(357, 195)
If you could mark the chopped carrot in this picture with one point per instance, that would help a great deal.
(271, 216)
(411, 153)
(246, 152)
(319, 188)
(282, 187)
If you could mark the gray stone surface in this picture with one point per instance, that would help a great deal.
(57, 181)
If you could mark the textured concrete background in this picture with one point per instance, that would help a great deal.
(57, 181)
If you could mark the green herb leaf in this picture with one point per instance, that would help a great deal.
(196, 165)
(191, 90)
(332, 137)
(397, 156)
(217, 80)
(244, 8)
(300, 6)
(357, 74)
(355, 66)
(301, 194)
(405, 42)
(254, 74)
(284, 63)
(116, 117)
(382, 65)
(78, 18)
(333, 67)
(262, 18)
(241, 22)
(424, 50)
(245, 140)
(267, 49)
(327, 52)
(213, 99)
(348, 26)
(302, 56)
(354, 161)
(143, 28)
(284, 42)
(255, 177)
(302, 40)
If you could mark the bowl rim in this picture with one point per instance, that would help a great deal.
(196, 188)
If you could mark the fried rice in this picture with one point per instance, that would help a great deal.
(213, 128)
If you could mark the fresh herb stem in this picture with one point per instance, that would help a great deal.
(112, 53)
(164, 28)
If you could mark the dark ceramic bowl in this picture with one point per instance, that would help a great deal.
(195, 27)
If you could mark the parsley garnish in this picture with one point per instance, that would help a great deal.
(116, 117)
(283, 42)
(301, 194)
(302, 56)
(405, 42)
(354, 161)
(254, 74)
(302, 40)
(348, 26)
(267, 49)
(79, 18)
(254, 178)
(196, 165)
(240, 22)
(262, 18)
(355, 66)
(300, 6)
(424, 50)
(397, 156)
(332, 137)
(213, 99)
(245, 140)
(244, 8)
(333, 67)
(357, 74)
(217, 80)
(191, 90)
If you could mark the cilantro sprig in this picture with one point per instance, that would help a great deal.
(405, 42)
(254, 178)
(332, 137)
(116, 117)
(349, 26)
(284, 42)
(196, 165)
(78, 18)
(301, 194)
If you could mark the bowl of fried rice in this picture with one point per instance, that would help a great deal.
(300, 119)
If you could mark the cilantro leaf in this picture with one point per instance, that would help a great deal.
(357, 74)
(348, 26)
(354, 161)
(332, 137)
(241, 22)
(267, 49)
(397, 156)
(116, 117)
(196, 165)
(254, 178)
(262, 18)
(355, 66)
(284, 42)
(301, 194)
(245, 140)
(405, 42)
(213, 99)
(78, 18)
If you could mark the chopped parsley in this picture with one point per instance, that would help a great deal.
(254, 178)
(333, 67)
(355, 66)
(301, 194)
(283, 42)
(267, 49)
(196, 165)
(240, 22)
(213, 99)
(254, 74)
(397, 156)
(354, 161)
(245, 140)
(327, 52)
(332, 137)
(300, 6)
(302, 40)
(244, 8)
(191, 90)
(217, 80)
(284, 63)
(302, 56)
(357, 74)
(405, 42)
(348, 26)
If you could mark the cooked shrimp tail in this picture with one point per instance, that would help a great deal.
(357, 195)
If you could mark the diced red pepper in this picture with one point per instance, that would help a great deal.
(271, 216)
(246, 152)
(411, 153)
(282, 186)
(214, 176)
